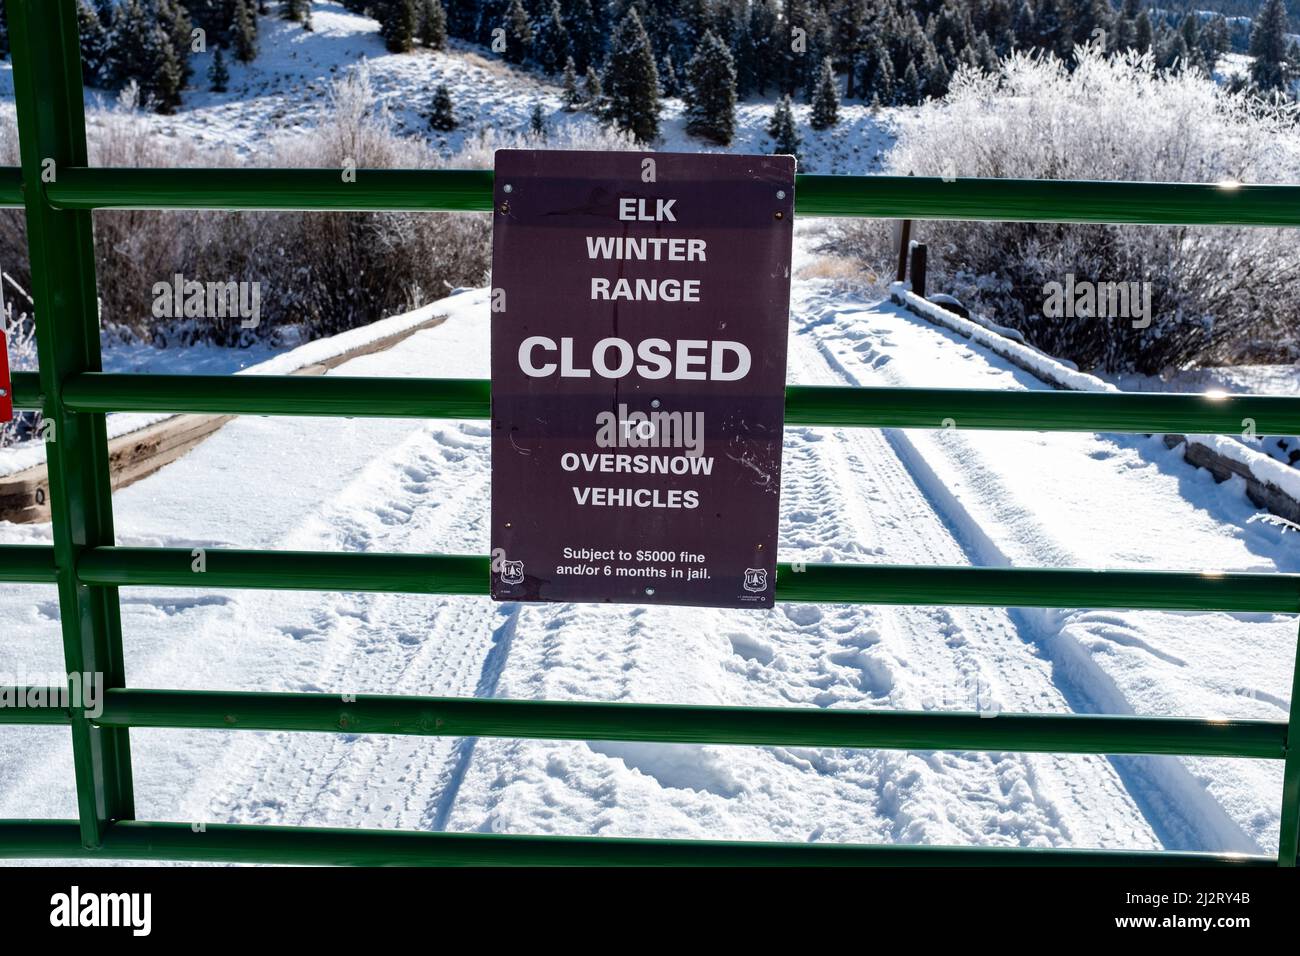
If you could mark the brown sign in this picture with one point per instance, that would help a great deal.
(639, 319)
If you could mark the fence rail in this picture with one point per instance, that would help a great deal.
(88, 568)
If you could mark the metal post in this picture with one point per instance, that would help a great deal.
(1289, 834)
(52, 134)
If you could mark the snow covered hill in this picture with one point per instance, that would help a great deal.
(947, 497)
(285, 88)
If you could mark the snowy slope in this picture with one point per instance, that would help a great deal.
(285, 89)
(849, 495)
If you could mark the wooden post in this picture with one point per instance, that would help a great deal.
(918, 252)
(903, 235)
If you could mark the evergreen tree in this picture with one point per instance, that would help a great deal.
(585, 36)
(1142, 32)
(754, 70)
(631, 82)
(782, 129)
(669, 84)
(908, 90)
(551, 42)
(295, 10)
(168, 80)
(571, 97)
(937, 76)
(710, 94)
(519, 33)
(399, 21)
(433, 25)
(175, 21)
(94, 42)
(1023, 28)
(1271, 67)
(243, 31)
(537, 121)
(826, 101)
(218, 74)
(593, 92)
(442, 115)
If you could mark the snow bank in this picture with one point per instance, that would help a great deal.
(1258, 466)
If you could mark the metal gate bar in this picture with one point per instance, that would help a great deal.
(58, 190)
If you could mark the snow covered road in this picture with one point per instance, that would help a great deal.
(903, 497)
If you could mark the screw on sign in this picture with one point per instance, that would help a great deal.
(638, 376)
(6, 388)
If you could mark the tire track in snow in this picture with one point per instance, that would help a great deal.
(1179, 809)
(847, 497)
(379, 643)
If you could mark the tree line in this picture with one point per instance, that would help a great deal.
(619, 57)
(630, 53)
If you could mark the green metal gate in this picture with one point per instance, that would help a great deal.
(59, 191)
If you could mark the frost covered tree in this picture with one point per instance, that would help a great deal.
(433, 25)
(710, 95)
(631, 81)
(442, 114)
(218, 74)
(297, 11)
(826, 100)
(1268, 45)
(782, 129)
(537, 121)
(1049, 121)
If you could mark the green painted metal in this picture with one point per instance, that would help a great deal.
(23, 713)
(27, 391)
(1289, 831)
(88, 569)
(11, 187)
(672, 723)
(815, 583)
(1140, 413)
(237, 843)
(890, 197)
(28, 563)
(52, 133)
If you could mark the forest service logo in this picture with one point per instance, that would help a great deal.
(512, 572)
(755, 579)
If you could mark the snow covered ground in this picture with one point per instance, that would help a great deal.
(945, 497)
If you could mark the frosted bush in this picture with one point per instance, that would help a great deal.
(320, 273)
(1218, 294)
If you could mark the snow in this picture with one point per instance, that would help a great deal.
(214, 360)
(1261, 464)
(903, 497)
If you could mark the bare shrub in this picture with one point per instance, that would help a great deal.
(1218, 293)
